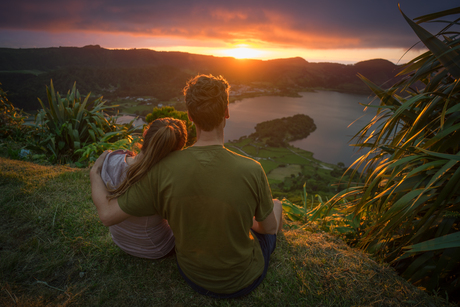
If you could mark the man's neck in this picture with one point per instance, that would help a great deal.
(213, 137)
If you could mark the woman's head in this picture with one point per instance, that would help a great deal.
(161, 137)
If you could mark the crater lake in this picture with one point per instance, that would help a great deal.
(332, 112)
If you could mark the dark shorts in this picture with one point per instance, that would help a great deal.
(267, 244)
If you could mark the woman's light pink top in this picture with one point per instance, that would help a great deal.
(145, 237)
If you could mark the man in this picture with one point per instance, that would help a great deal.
(211, 197)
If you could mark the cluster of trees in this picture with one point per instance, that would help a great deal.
(278, 132)
(162, 82)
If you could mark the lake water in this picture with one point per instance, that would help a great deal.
(332, 113)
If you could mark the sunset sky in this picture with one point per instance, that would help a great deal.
(345, 31)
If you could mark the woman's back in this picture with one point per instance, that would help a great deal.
(144, 237)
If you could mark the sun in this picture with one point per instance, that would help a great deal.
(243, 52)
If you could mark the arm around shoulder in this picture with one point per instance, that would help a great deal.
(109, 212)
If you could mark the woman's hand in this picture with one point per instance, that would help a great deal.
(97, 167)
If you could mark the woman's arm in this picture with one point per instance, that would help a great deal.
(109, 212)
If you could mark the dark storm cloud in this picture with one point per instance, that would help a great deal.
(303, 23)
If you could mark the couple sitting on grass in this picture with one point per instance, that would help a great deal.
(217, 204)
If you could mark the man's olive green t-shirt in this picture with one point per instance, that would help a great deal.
(209, 195)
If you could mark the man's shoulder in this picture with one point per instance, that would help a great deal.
(240, 156)
(175, 159)
(244, 161)
(181, 158)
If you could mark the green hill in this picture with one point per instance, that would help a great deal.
(54, 251)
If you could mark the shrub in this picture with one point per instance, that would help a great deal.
(72, 123)
(171, 112)
(11, 119)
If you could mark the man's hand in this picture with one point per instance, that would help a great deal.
(110, 213)
(97, 167)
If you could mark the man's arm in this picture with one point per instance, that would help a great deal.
(109, 212)
(274, 221)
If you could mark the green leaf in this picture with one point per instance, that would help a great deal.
(440, 155)
(447, 241)
(436, 15)
(449, 58)
(93, 136)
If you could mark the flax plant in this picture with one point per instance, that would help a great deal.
(411, 189)
(71, 123)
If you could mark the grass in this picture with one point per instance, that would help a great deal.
(280, 163)
(268, 165)
(54, 251)
(32, 72)
(282, 172)
(280, 155)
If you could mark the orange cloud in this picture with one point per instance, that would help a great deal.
(308, 24)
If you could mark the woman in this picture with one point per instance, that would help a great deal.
(149, 236)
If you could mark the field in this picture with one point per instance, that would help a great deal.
(272, 158)
(288, 169)
(282, 172)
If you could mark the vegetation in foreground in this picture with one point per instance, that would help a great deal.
(55, 251)
(409, 201)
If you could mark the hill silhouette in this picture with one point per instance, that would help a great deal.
(24, 73)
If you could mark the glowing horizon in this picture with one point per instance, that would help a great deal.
(243, 51)
(343, 56)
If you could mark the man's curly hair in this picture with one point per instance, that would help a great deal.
(206, 98)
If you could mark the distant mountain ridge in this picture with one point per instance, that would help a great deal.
(141, 72)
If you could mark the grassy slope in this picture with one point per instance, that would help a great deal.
(54, 251)
(279, 163)
(272, 157)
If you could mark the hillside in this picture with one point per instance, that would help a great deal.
(55, 251)
(24, 73)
